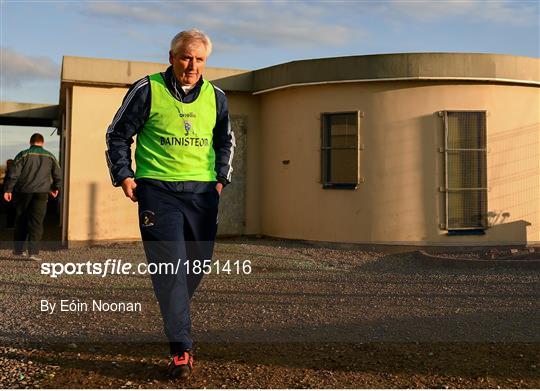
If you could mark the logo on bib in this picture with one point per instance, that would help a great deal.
(188, 128)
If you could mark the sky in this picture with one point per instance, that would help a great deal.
(35, 34)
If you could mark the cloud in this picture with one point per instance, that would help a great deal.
(253, 23)
(517, 14)
(237, 26)
(285, 30)
(16, 68)
(141, 12)
(504, 12)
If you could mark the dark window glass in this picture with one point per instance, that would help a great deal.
(340, 150)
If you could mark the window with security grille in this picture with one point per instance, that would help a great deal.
(340, 150)
(465, 170)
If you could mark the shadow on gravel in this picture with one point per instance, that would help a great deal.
(94, 365)
(305, 310)
(415, 262)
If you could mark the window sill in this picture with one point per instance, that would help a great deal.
(462, 232)
(340, 186)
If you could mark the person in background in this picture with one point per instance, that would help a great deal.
(34, 175)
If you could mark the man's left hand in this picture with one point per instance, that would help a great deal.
(54, 193)
(219, 187)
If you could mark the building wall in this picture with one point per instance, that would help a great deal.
(400, 201)
(97, 210)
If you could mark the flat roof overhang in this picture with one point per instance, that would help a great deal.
(473, 67)
(467, 67)
(109, 73)
(29, 114)
(121, 73)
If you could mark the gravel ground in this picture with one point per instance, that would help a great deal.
(307, 316)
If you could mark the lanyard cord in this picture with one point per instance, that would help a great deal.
(178, 95)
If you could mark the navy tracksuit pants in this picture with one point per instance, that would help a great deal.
(178, 224)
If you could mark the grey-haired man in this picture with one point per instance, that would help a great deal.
(184, 152)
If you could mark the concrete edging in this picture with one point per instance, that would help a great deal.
(430, 259)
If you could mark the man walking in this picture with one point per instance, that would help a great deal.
(34, 175)
(183, 156)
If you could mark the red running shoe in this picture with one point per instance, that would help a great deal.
(181, 366)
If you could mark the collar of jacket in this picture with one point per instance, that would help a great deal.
(176, 90)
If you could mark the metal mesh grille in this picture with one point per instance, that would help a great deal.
(466, 130)
(466, 171)
(466, 209)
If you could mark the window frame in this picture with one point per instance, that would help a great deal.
(483, 221)
(326, 135)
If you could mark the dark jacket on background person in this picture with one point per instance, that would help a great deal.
(134, 113)
(34, 170)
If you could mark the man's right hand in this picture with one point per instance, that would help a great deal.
(129, 185)
(7, 197)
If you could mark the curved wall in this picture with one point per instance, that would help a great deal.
(400, 201)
